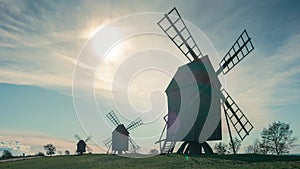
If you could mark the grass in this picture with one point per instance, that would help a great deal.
(95, 161)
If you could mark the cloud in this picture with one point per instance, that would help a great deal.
(40, 41)
(15, 147)
(43, 39)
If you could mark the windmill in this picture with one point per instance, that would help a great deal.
(81, 145)
(207, 125)
(120, 136)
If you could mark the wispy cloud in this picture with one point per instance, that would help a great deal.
(15, 147)
(262, 82)
(40, 41)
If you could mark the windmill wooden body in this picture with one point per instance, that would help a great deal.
(120, 140)
(195, 94)
(81, 147)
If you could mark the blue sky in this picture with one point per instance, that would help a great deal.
(41, 40)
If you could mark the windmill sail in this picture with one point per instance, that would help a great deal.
(88, 138)
(239, 121)
(239, 50)
(134, 124)
(77, 136)
(133, 144)
(113, 118)
(108, 142)
(89, 149)
(173, 25)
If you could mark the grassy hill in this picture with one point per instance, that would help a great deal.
(160, 161)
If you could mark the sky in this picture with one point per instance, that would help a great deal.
(53, 83)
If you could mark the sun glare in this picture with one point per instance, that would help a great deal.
(110, 58)
(93, 27)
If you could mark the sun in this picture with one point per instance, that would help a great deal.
(108, 46)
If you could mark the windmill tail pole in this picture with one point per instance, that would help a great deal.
(108, 150)
(230, 135)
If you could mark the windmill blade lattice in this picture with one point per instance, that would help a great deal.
(239, 50)
(108, 142)
(113, 118)
(173, 25)
(134, 124)
(77, 136)
(239, 121)
(89, 149)
(133, 144)
(88, 138)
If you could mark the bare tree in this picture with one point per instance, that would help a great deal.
(236, 145)
(277, 138)
(50, 149)
(254, 148)
(221, 148)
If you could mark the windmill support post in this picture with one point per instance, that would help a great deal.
(194, 147)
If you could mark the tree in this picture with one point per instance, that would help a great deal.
(50, 149)
(277, 138)
(236, 145)
(254, 148)
(7, 154)
(153, 151)
(264, 147)
(67, 152)
(221, 148)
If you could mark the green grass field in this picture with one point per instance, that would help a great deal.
(160, 161)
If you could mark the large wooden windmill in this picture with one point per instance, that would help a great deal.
(120, 136)
(195, 94)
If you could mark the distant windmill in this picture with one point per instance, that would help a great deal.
(206, 82)
(81, 145)
(120, 136)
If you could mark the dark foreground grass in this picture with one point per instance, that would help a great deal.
(160, 161)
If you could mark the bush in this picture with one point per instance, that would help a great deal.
(7, 154)
(67, 152)
(221, 148)
(40, 154)
(153, 151)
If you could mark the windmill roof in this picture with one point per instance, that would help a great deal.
(192, 73)
(121, 129)
(81, 142)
